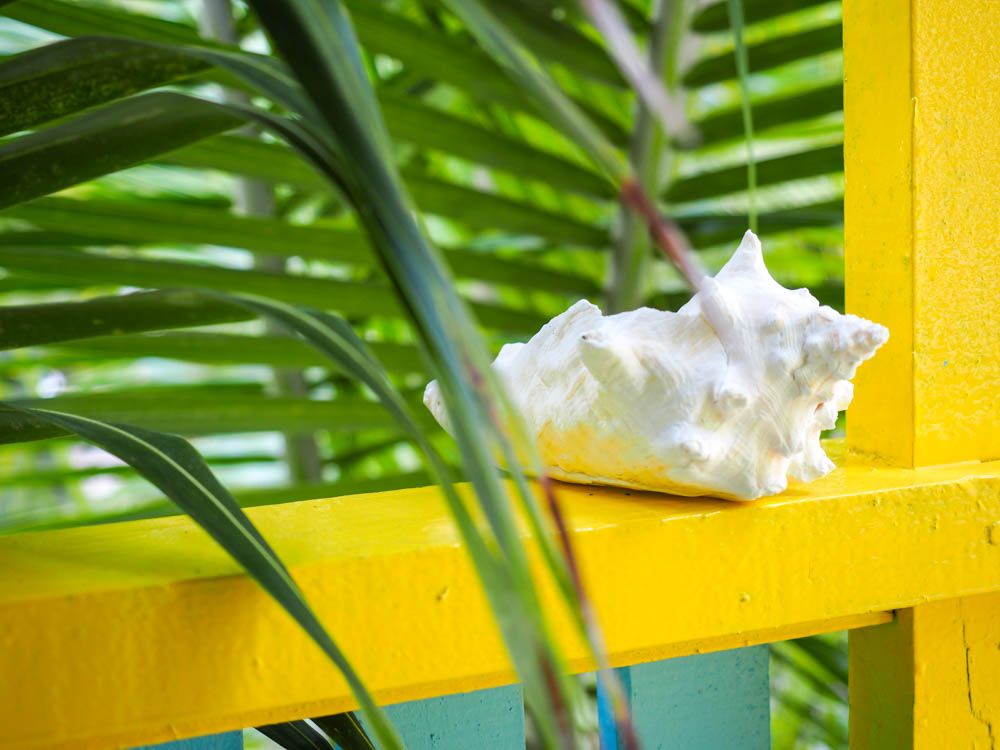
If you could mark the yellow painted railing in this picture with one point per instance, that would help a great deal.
(142, 632)
(145, 631)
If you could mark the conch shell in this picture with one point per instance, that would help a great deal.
(657, 401)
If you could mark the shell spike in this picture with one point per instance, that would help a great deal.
(750, 244)
(748, 259)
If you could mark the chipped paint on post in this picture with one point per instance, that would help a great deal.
(930, 680)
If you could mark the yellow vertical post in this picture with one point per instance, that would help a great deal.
(922, 219)
(930, 680)
(922, 216)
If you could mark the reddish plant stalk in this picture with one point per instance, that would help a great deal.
(562, 714)
(665, 234)
(561, 710)
(671, 242)
(619, 706)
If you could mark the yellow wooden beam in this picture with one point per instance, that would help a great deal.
(134, 633)
(922, 214)
(930, 680)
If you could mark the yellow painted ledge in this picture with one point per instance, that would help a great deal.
(115, 636)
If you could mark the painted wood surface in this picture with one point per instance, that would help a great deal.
(930, 680)
(698, 573)
(481, 719)
(922, 211)
(922, 214)
(224, 741)
(717, 701)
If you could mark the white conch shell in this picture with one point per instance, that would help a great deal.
(654, 400)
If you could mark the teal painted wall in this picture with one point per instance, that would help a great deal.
(224, 741)
(481, 720)
(718, 701)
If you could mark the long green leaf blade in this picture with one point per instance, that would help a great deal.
(345, 730)
(476, 208)
(779, 110)
(174, 467)
(81, 18)
(715, 17)
(51, 322)
(204, 411)
(65, 77)
(149, 222)
(298, 29)
(766, 54)
(548, 97)
(105, 140)
(447, 59)
(816, 161)
(351, 298)
(296, 735)
(557, 41)
(225, 349)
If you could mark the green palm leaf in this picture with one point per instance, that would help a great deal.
(174, 467)
(104, 140)
(345, 730)
(63, 78)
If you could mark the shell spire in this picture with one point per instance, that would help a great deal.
(749, 257)
(671, 402)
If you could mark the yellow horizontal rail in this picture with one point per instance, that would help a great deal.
(139, 632)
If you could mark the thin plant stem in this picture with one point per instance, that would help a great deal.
(649, 149)
(667, 235)
(742, 68)
(634, 66)
(613, 686)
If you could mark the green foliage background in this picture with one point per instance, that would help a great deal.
(525, 222)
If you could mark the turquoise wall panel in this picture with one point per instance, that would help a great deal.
(224, 741)
(718, 701)
(481, 720)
